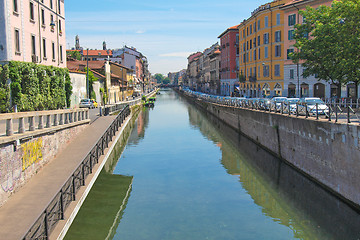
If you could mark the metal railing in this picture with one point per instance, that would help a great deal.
(54, 212)
(337, 112)
(118, 106)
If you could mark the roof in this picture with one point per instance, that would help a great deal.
(193, 56)
(233, 28)
(96, 52)
(75, 65)
(117, 64)
(292, 2)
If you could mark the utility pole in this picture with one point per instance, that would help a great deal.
(87, 74)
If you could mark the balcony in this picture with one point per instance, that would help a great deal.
(252, 79)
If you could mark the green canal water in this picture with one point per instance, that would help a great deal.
(185, 175)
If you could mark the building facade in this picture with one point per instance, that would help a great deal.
(295, 84)
(229, 74)
(262, 51)
(33, 31)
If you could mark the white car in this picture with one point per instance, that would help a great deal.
(311, 104)
(86, 103)
(291, 103)
(276, 103)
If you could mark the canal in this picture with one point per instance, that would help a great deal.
(185, 175)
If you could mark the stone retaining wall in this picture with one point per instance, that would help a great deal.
(327, 152)
(18, 163)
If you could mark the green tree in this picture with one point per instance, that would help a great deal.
(92, 79)
(159, 77)
(74, 54)
(166, 80)
(329, 42)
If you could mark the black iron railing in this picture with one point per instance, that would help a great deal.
(344, 112)
(54, 212)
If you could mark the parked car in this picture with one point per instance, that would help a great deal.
(94, 103)
(290, 103)
(86, 103)
(276, 103)
(309, 104)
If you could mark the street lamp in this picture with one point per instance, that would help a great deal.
(87, 74)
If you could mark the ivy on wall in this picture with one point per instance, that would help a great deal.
(33, 87)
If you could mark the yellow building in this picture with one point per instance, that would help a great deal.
(261, 56)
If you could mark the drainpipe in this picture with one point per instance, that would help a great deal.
(40, 39)
(297, 64)
(271, 44)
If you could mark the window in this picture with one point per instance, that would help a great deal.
(43, 17)
(266, 70)
(255, 42)
(258, 41)
(247, 45)
(255, 55)
(244, 58)
(288, 53)
(53, 50)
(277, 70)
(250, 28)
(247, 31)
(278, 19)
(258, 25)
(278, 36)
(244, 47)
(254, 71)
(291, 73)
(266, 52)
(266, 38)
(278, 51)
(61, 57)
(266, 21)
(44, 48)
(259, 53)
(292, 19)
(259, 71)
(250, 43)
(60, 31)
(33, 45)
(254, 26)
(17, 41)
(59, 6)
(51, 4)
(15, 4)
(291, 34)
(32, 15)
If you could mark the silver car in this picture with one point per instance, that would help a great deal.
(313, 106)
(86, 103)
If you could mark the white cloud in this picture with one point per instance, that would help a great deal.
(176, 54)
(140, 31)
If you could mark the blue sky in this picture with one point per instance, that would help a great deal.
(164, 31)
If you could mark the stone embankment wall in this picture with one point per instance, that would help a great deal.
(329, 153)
(18, 163)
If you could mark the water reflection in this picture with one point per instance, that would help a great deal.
(104, 207)
(284, 194)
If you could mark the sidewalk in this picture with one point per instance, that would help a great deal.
(25, 206)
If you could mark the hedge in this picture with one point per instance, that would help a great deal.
(33, 87)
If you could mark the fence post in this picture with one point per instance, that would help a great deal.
(317, 111)
(31, 123)
(41, 124)
(9, 127)
(348, 114)
(48, 121)
(73, 187)
(21, 125)
(46, 225)
(61, 205)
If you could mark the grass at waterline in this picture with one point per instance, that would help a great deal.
(100, 213)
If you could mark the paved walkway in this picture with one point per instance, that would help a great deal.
(25, 206)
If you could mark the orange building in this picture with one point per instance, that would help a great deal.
(261, 56)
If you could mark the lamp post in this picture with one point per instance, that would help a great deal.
(87, 74)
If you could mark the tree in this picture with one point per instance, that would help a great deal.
(329, 42)
(74, 54)
(92, 79)
(159, 78)
(166, 80)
